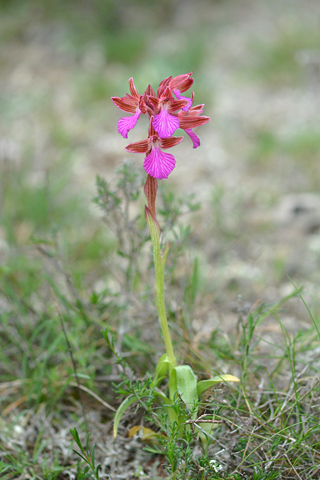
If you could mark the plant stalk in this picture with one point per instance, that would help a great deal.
(159, 264)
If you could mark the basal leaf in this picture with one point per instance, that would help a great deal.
(203, 385)
(184, 381)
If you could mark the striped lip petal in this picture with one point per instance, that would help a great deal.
(165, 124)
(159, 164)
(127, 123)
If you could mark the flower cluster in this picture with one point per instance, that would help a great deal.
(167, 110)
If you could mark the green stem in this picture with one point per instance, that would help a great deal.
(159, 264)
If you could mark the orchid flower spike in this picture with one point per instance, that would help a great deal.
(166, 114)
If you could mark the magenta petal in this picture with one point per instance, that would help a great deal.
(127, 123)
(195, 139)
(165, 124)
(181, 97)
(159, 164)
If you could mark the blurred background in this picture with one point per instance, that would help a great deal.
(256, 67)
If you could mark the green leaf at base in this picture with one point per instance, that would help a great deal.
(184, 381)
(203, 385)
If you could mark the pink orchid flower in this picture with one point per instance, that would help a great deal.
(157, 163)
(166, 114)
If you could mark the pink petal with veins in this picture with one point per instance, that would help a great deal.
(195, 139)
(159, 164)
(165, 124)
(127, 123)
